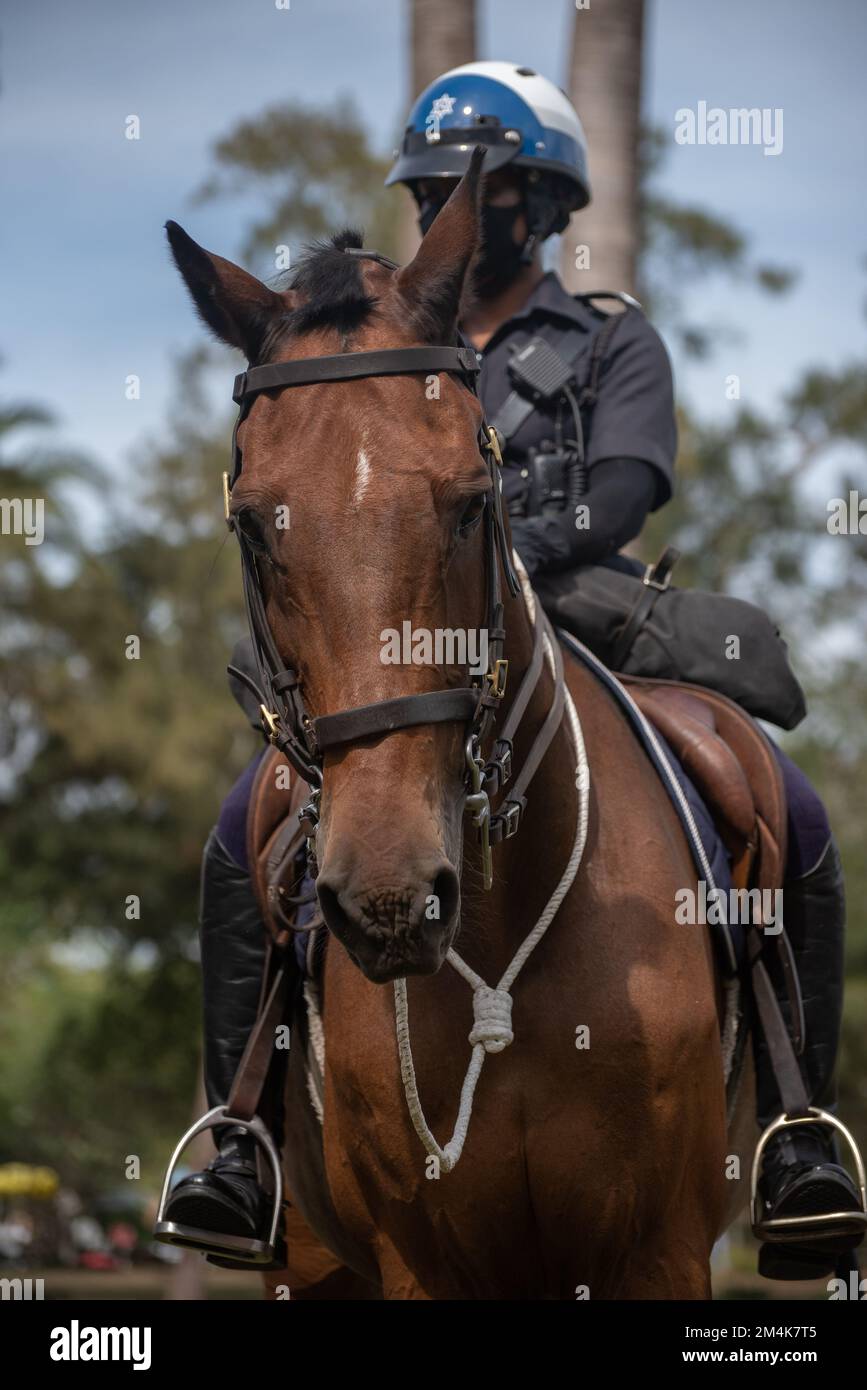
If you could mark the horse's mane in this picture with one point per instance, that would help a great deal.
(332, 286)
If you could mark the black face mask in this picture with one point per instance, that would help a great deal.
(500, 259)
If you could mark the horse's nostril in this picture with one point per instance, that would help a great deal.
(336, 919)
(348, 912)
(447, 891)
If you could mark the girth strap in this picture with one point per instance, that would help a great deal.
(433, 707)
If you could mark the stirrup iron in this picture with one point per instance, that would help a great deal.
(799, 1229)
(242, 1248)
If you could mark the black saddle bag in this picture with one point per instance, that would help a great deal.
(643, 626)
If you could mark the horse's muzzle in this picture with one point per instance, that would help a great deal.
(393, 929)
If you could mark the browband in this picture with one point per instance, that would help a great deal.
(343, 366)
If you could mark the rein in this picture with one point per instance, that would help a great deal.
(305, 740)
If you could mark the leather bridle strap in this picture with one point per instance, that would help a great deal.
(499, 766)
(507, 819)
(366, 721)
(344, 366)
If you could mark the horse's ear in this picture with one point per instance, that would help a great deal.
(432, 285)
(236, 306)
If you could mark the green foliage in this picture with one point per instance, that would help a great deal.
(116, 770)
(108, 1072)
(313, 171)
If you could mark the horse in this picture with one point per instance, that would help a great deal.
(595, 1161)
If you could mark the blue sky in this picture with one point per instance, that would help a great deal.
(89, 295)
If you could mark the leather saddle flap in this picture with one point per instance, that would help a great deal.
(276, 844)
(732, 763)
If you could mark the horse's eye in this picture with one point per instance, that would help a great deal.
(251, 528)
(472, 514)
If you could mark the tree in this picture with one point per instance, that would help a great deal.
(120, 753)
(442, 35)
(313, 171)
(604, 84)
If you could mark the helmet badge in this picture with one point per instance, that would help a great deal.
(440, 106)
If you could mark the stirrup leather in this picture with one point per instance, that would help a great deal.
(801, 1229)
(242, 1248)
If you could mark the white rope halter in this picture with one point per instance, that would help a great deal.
(492, 1008)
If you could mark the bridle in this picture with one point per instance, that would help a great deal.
(304, 740)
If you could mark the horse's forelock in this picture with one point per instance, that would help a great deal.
(331, 286)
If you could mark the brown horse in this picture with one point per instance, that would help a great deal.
(596, 1170)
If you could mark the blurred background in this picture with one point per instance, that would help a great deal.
(259, 124)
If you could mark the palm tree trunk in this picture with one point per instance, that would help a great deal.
(605, 86)
(442, 35)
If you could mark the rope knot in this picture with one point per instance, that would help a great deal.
(492, 1011)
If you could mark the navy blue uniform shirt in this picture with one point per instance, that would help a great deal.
(634, 415)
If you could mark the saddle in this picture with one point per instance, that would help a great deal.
(730, 760)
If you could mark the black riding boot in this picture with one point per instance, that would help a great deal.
(801, 1174)
(226, 1198)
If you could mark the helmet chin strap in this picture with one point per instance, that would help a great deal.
(545, 215)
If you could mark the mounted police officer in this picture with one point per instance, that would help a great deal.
(583, 400)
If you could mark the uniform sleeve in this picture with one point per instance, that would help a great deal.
(617, 500)
(634, 413)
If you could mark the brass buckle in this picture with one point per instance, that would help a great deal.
(227, 497)
(494, 443)
(497, 676)
(271, 720)
(796, 1228)
(652, 583)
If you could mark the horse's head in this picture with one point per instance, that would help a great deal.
(363, 501)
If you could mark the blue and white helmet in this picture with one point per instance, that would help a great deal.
(524, 120)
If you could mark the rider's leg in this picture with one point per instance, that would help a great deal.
(800, 1174)
(225, 1198)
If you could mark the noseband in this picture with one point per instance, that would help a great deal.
(303, 740)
